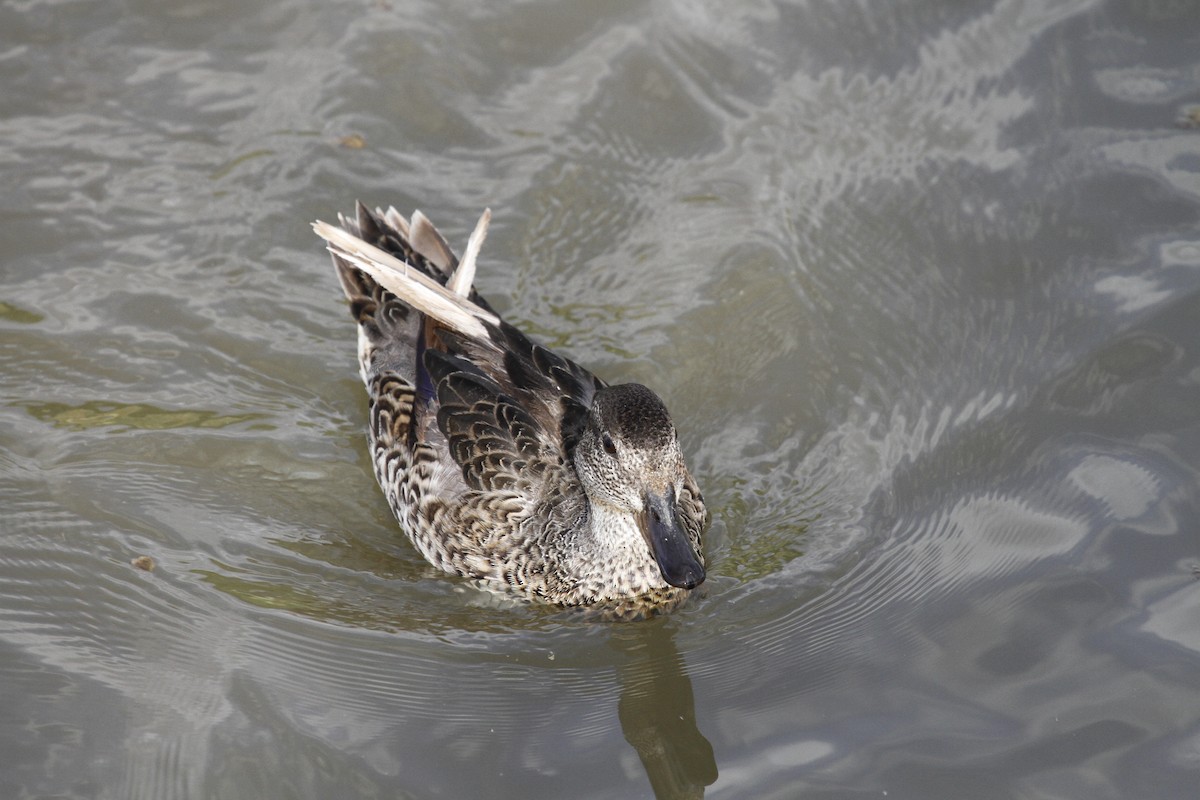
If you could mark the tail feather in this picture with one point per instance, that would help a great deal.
(396, 220)
(464, 274)
(429, 243)
(405, 281)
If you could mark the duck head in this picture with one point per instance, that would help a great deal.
(628, 458)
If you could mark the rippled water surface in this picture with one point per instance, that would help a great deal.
(919, 280)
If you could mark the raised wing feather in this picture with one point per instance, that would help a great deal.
(507, 406)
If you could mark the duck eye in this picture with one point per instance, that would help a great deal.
(609, 447)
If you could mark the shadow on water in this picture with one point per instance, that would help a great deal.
(657, 710)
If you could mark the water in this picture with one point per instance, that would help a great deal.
(919, 281)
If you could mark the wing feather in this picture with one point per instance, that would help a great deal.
(508, 407)
(497, 443)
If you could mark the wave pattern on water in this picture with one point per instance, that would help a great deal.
(918, 281)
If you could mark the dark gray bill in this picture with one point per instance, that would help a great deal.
(672, 549)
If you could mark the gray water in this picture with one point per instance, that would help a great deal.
(919, 281)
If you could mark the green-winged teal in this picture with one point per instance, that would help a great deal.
(502, 460)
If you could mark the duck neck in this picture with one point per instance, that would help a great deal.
(617, 554)
(615, 532)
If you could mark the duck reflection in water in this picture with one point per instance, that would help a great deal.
(658, 712)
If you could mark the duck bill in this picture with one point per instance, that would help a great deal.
(673, 551)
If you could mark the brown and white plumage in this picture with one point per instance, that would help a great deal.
(502, 460)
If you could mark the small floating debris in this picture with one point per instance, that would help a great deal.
(1190, 118)
(353, 141)
(143, 562)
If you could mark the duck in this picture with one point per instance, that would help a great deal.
(503, 461)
